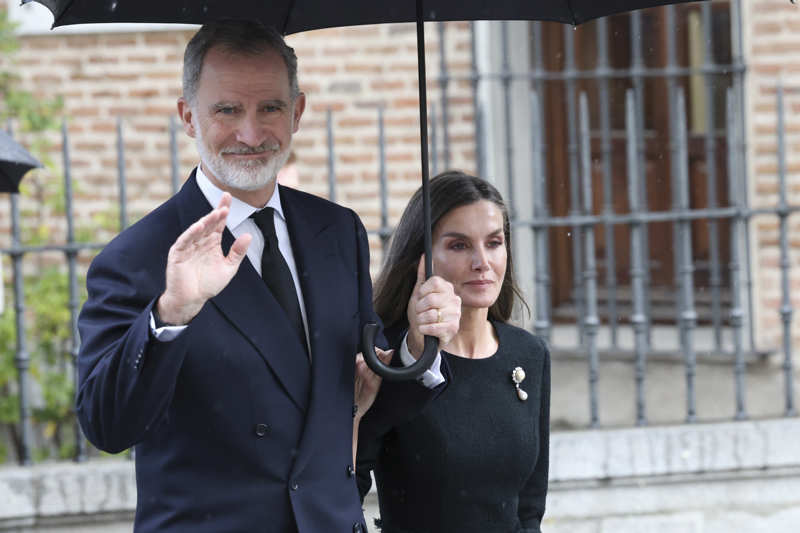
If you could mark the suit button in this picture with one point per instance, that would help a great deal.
(295, 486)
(357, 528)
(350, 471)
(261, 430)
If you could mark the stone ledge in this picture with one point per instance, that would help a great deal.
(66, 492)
(669, 450)
(764, 501)
(623, 465)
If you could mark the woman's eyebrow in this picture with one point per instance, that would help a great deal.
(463, 236)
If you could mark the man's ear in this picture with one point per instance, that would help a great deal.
(299, 107)
(185, 114)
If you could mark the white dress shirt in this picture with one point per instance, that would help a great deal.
(239, 223)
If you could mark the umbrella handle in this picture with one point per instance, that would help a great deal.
(391, 373)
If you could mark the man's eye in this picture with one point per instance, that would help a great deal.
(226, 110)
(271, 109)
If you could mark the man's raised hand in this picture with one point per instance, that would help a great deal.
(197, 270)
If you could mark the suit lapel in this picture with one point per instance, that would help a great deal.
(314, 245)
(253, 311)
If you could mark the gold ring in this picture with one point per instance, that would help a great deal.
(438, 316)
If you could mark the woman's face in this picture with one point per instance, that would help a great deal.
(469, 251)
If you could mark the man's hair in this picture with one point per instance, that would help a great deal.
(237, 37)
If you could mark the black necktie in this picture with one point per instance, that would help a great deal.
(275, 272)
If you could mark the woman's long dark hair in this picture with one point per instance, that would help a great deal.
(396, 280)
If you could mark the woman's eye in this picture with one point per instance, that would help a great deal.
(458, 246)
(495, 244)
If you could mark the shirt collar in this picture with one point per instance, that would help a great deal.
(239, 211)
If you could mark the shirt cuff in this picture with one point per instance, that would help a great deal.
(433, 376)
(164, 333)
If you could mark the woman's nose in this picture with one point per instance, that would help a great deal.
(480, 260)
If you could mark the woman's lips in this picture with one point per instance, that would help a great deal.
(480, 282)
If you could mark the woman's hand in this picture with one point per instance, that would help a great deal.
(434, 309)
(367, 382)
(367, 385)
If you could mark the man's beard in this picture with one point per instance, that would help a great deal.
(245, 175)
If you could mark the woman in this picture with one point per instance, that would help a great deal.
(476, 459)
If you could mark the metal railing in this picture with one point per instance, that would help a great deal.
(584, 222)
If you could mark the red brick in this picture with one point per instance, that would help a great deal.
(66, 61)
(47, 78)
(24, 62)
(143, 93)
(148, 59)
(399, 157)
(124, 110)
(89, 147)
(353, 122)
(121, 76)
(382, 50)
(40, 44)
(399, 103)
(169, 75)
(767, 28)
(164, 110)
(103, 59)
(81, 41)
(364, 68)
(319, 69)
(334, 51)
(162, 38)
(80, 76)
(349, 159)
(384, 85)
(104, 127)
(121, 40)
(401, 121)
(323, 106)
(107, 93)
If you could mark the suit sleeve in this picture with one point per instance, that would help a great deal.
(126, 377)
(533, 495)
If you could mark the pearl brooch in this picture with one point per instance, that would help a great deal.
(517, 375)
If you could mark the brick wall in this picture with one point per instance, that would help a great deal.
(137, 77)
(772, 42)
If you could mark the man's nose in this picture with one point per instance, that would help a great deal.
(250, 131)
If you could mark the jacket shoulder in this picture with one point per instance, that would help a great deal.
(149, 237)
(522, 340)
(320, 205)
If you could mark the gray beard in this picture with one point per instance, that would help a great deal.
(243, 175)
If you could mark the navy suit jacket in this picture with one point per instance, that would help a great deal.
(234, 429)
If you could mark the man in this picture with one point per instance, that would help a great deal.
(234, 379)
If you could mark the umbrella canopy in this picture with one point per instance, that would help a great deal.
(15, 161)
(292, 16)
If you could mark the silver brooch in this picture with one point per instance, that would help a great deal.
(517, 375)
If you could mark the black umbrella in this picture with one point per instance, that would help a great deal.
(292, 16)
(15, 161)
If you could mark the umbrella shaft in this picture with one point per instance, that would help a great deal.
(423, 138)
